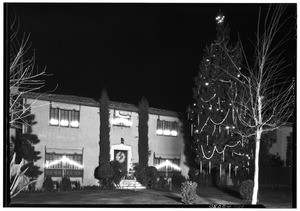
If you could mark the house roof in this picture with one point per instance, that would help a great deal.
(72, 99)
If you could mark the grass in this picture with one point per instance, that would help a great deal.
(99, 197)
(269, 197)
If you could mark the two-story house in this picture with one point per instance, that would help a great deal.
(69, 127)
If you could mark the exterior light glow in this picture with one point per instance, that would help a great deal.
(167, 132)
(64, 159)
(118, 121)
(74, 124)
(159, 132)
(64, 122)
(53, 121)
(227, 127)
(206, 84)
(174, 133)
(167, 163)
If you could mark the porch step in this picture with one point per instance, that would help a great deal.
(130, 184)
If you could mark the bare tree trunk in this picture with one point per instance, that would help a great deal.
(256, 168)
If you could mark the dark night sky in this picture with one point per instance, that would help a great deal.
(134, 50)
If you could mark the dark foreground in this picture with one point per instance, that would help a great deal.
(270, 198)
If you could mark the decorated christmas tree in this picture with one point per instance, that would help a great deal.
(214, 144)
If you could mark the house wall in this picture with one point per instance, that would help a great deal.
(85, 137)
(166, 145)
(280, 146)
(158, 144)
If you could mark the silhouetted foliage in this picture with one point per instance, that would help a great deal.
(24, 146)
(178, 179)
(104, 142)
(118, 171)
(289, 151)
(65, 184)
(143, 146)
(48, 184)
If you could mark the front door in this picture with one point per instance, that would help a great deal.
(121, 157)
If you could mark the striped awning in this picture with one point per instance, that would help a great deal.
(167, 156)
(63, 150)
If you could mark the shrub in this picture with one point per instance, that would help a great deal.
(118, 171)
(48, 184)
(75, 185)
(96, 173)
(105, 174)
(147, 176)
(65, 184)
(177, 179)
(151, 175)
(188, 192)
(91, 187)
(193, 174)
(246, 189)
(162, 183)
(140, 175)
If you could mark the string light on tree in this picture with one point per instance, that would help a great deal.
(214, 141)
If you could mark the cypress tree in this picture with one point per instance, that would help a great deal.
(104, 142)
(143, 147)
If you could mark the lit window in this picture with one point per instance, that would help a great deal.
(167, 128)
(74, 119)
(174, 131)
(64, 118)
(54, 116)
(159, 129)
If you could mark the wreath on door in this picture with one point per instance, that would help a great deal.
(120, 157)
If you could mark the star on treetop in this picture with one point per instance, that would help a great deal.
(220, 18)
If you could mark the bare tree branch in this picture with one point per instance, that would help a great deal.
(265, 99)
(24, 76)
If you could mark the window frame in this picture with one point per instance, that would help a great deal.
(167, 125)
(161, 122)
(65, 111)
(73, 114)
(51, 156)
(50, 116)
(68, 114)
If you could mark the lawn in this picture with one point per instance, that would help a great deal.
(271, 198)
(98, 197)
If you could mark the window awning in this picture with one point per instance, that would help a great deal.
(63, 151)
(167, 156)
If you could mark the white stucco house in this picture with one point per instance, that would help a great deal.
(282, 136)
(68, 128)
